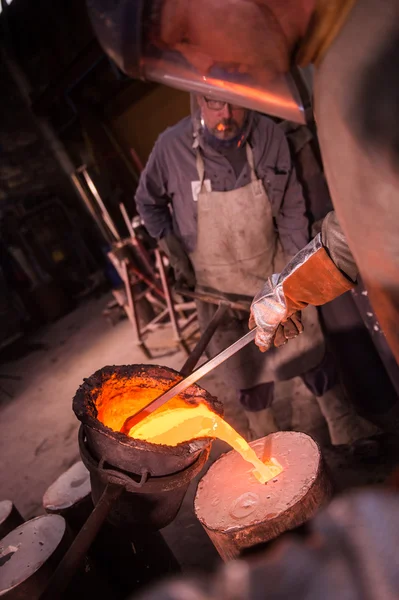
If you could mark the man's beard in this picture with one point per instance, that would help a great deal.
(226, 129)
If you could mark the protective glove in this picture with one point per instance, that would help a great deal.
(288, 330)
(179, 261)
(311, 277)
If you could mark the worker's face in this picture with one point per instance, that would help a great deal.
(223, 120)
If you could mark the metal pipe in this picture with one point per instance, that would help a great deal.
(185, 383)
(136, 160)
(149, 283)
(213, 299)
(128, 222)
(88, 205)
(106, 216)
(78, 550)
(169, 302)
(136, 242)
(204, 340)
(133, 316)
(154, 322)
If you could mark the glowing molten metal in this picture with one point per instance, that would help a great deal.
(174, 423)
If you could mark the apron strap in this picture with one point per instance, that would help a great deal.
(200, 168)
(251, 162)
(201, 165)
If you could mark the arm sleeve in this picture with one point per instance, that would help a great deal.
(152, 199)
(333, 239)
(292, 223)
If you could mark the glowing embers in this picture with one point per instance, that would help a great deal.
(176, 422)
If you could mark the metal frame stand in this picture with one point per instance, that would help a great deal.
(175, 307)
(159, 294)
(135, 265)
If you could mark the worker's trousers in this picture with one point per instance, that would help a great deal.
(318, 381)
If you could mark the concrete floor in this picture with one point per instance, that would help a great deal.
(38, 430)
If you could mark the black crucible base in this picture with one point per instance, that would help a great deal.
(137, 487)
(146, 503)
(131, 562)
(129, 548)
(123, 539)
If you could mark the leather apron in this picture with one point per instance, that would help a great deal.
(238, 248)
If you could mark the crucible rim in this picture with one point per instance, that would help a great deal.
(86, 411)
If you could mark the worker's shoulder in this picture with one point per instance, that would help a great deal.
(176, 135)
(266, 125)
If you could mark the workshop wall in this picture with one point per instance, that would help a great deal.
(141, 124)
(27, 166)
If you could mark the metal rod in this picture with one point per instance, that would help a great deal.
(150, 326)
(136, 160)
(106, 215)
(79, 548)
(189, 321)
(184, 306)
(145, 257)
(154, 300)
(128, 222)
(86, 200)
(136, 242)
(213, 299)
(169, 300)
(185, 383)
(149, 283)
(132, 310)
(204, 340)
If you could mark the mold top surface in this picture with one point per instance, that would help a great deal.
(230, 497)
(27, 548)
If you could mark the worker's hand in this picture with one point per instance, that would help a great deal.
(179, 261)
(268, 312)
(276, 335)
(311, 277)
(288, 330)
(185, 277)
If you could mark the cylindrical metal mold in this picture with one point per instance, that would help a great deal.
(70, 496)
(238, 512)
(29, 555)
(10, 518)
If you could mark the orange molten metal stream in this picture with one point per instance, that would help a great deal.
(174, 423)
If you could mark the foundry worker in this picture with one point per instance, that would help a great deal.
(221, 196)
(251, 49)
